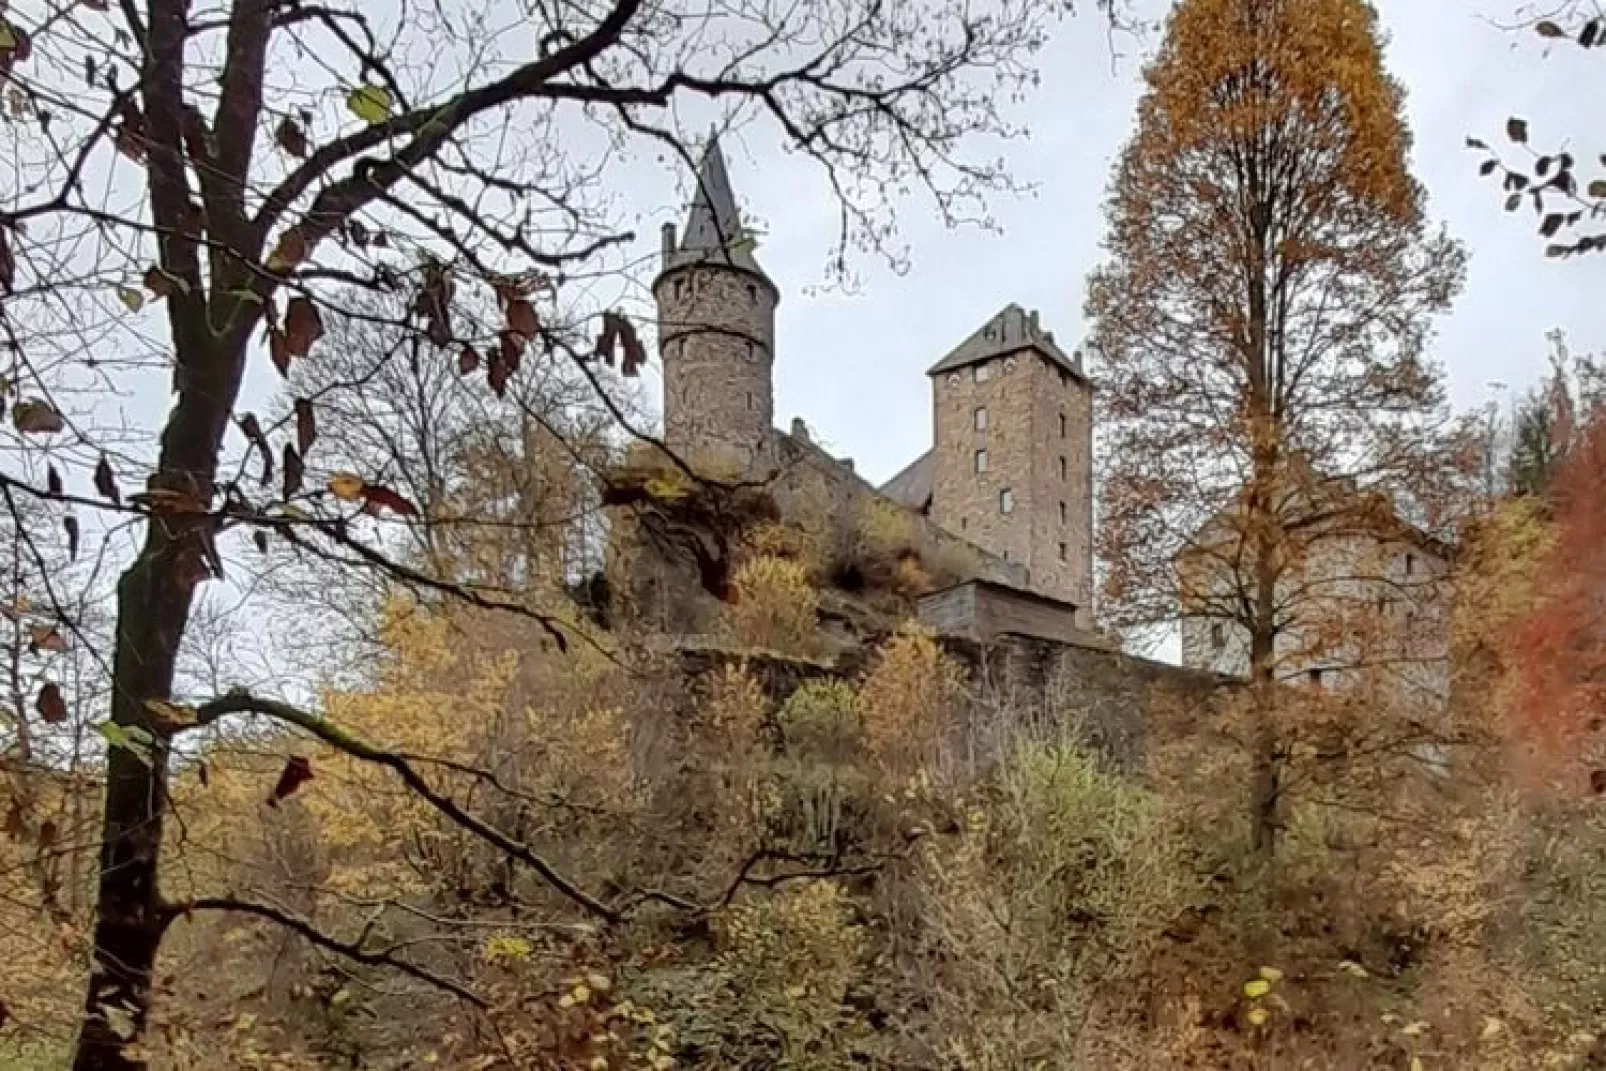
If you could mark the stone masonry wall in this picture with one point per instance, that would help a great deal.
(1064, 494)
(1024, 396)
(808, 478)
(716, 333)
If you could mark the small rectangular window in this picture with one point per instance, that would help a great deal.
(1410, 564)
(964, 523)
(1316, 678)
(1062, 425)
(1064, 469)
(1065, 554)
(981, 418)
(1218, 636)
(1006, 501)
(981, 461)
(982, 372)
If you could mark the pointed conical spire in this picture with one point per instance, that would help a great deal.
(714, 229)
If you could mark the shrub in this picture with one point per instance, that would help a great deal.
(775, 605)
(908, 695)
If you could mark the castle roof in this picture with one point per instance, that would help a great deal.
(1011, 331)
(913, 486)
(713, 233)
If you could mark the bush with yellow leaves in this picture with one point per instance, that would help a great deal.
(909, 697)
(775, 607)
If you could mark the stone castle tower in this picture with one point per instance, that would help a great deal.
(716, 333)
(1010, 474)
(1012, 466)
(1011, 469)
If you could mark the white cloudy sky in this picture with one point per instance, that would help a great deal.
(853, 364)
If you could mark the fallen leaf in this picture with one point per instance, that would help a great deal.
(297, 772)
(467, 360)
(1259, 987)
(53, 484)
(132, 299)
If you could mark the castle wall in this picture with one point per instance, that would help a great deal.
(808, 478)
(983, 612)
(716, 333)
(1120, 705)
(1025, 396)
(1055, 394)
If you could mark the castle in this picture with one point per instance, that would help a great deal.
(1007, 486)
(1005, 494)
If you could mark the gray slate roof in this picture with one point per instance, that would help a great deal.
(1012, 330)
(912, 487)
(713, 231)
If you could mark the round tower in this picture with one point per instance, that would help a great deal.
(716, 334)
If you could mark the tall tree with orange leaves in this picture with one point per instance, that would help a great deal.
(1262, 320)
(1561, 645)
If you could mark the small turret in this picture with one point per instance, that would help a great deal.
(716, 331)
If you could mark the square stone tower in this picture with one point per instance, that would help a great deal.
(1012, 468)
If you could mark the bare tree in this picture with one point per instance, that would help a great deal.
(200, 184)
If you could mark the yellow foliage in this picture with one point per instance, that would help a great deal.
(908, 695)
(775, 606)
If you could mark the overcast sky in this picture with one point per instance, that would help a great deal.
(853, 364)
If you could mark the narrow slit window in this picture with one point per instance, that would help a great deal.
(1062, 425)
(1064, 468)
(1006, 501)
(1218, 636)
(1064, 514)
(1065, 554)
(1410, 564)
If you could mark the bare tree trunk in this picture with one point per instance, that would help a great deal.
(154, 598)
(1264, 781)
